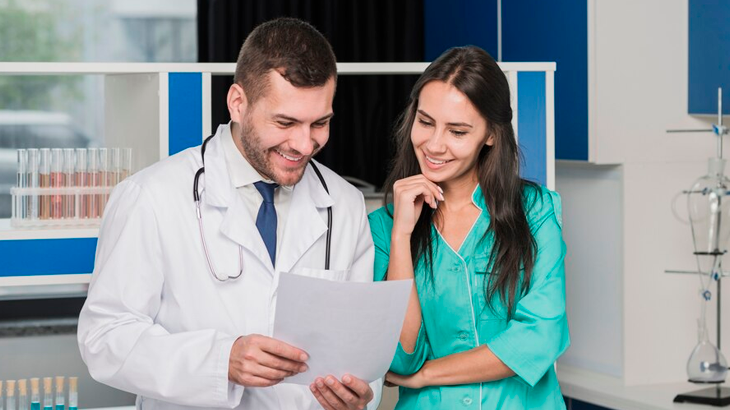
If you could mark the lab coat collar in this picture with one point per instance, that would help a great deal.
(219, 190)
(306, 222)
(304, 225)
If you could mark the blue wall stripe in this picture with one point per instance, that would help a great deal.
(186, 111)
(709, 60)
(555, 31)
(32, 257)
(531, 125)
(455, 23)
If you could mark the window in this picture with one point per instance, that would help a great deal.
(68, 111)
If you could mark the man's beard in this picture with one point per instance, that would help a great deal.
(260, 160)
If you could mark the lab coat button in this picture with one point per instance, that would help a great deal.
(462, 335)
(467, 400)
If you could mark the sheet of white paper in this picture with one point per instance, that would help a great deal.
(345, 327)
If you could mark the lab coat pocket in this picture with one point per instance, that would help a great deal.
(328, 274)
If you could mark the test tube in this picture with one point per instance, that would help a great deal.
(21, 206)
(60, 403)
(105, 176)
(22, 394)
(10, 393)
(35, 394)
(47, 393)
(69, 203)
(92, 170)
(73, 393)
(115, 162)
(125, 163)
(44, 177)
(82, 181)
(33, 182)
(57, 182)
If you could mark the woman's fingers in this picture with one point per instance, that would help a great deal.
(419, 185)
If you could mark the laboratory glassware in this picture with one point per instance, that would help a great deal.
(10, 393)
(73, 393)
(44, 180)
(33, 181)
(708, 204)
(69, 199)
(60, 393)
(22, 181)
(22, 394)
(35, 394)
(48, 393)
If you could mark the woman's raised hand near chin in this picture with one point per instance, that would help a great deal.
(409, 195)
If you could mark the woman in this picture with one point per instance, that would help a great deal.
(486, 317)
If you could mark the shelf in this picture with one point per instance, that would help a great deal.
(44, 287)
(160, 109)
(32, 68)
(8, 233)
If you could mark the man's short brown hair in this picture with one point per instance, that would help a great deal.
(295, 49)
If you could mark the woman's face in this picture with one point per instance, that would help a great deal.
(448, 133)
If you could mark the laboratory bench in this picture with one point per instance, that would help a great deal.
(610, 392)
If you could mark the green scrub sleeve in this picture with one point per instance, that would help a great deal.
(381, 225)
(408, 363)
(537, 334)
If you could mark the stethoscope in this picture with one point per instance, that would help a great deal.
(196, 198)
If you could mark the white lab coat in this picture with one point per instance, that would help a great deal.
(158, 324)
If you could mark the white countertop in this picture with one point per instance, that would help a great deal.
(115, 408)
(610, 392)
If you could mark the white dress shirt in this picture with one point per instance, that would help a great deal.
(243, 176)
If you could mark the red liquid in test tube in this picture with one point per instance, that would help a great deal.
(57, 181)
(82, 181)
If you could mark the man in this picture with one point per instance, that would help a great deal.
(181, 304)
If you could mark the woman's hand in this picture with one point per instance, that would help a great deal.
(412, 381)
(409, 195)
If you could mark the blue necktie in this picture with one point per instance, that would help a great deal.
(266, 219)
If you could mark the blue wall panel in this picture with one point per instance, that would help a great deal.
(555, 31)
(459, 23)
(47, 256)
(531, 125)
(186, 111)
(709, 55)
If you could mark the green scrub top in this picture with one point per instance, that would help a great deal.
(456, 317)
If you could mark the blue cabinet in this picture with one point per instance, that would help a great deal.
(531, 30)
(709, 55)
(557, 31)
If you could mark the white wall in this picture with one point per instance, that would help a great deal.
(640, 80)
(592, 230)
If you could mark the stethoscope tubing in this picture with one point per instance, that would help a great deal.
(198, 212)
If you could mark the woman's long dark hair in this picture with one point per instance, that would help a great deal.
(475, 73)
